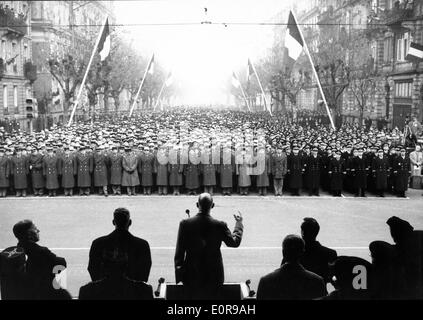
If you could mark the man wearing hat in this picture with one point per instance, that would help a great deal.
(36, 169)
(115, 170)
(359, 171)
(208, 170)
(20, 171)
(146, 169)
(226, 169)
(402, 171)
(130, 177)
(380, 170)
(295, 167)
(4, 172)
(279, 169)
(337, 172)
(69, 170)
(51, 171)
(312, 173)
(175, 169)
(100, 161)
(84, 169)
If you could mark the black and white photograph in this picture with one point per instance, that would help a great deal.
(207, 155)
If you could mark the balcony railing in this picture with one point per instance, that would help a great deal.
(13, 21)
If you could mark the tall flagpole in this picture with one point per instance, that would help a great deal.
(141, 84)
(261, 88)
(315, 72)
(86, 72)
(245, 97)
(160, 95)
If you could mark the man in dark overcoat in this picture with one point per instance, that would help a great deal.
(51, 171)
(115, 170)
(175, 169)
(402, 172)
(337, 172)
(4, 173)
(69, 171)
(85, 168)
(359, 172)
(20, 171)
(130, 177)
(146, 169)
(295, 169)
(279, 169)
(198, 260)
(380, 171)
(36, 169)
(313, 163)
(101, 162)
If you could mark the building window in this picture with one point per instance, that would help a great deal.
(5, 106)
(3, 49)
(403, 89)
(15, 97)
(26, 55)
(402, 46)
(387, 50)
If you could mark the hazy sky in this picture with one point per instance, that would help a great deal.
(201, 57)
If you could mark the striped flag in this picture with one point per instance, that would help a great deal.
(104, 43)
(293, 40)
(250, 70)
(415, 53)
(169, 80)
(235, 81)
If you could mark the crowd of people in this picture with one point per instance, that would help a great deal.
(196, 150)
(120, 263)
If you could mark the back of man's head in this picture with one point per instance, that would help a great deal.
(21, 229)
(292, 248)
(309, 229)
(205, 202)
(400, 229)
(122, 218)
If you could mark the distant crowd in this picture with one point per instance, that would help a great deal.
(195, 150)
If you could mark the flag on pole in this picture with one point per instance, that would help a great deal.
(169, 80)
(293, 40)
(250, 70)
(151, 65)
(415, 53)
(104, 43)
(235, 81)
